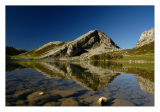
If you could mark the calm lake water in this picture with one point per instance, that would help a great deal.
(79, 84)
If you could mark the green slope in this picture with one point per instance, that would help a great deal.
(145, 53)
(36, 53)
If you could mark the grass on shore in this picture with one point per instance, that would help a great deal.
(145, 53)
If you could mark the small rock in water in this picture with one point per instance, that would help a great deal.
(102, 101)
(41, 93)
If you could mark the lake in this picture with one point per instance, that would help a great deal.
(63, 83)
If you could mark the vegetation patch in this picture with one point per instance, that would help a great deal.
(147, 49)
(144, 53)
(35, 53)
(107, 56)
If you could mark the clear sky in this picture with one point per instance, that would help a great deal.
(29, 27)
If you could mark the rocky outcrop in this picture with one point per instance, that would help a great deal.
(89, 42)
(146, 38)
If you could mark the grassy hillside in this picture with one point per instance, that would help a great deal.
(146, 49)
(145, 53)
(38, 52)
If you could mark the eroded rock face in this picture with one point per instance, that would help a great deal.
(74, 50)
(90, 41)
(146, 38)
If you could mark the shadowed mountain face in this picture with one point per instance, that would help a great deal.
(91, 43)
(10, 51)
(94, 75)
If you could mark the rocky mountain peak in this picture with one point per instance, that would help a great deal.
(146, 38)
(90, 41)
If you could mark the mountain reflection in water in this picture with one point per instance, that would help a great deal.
(80, 83)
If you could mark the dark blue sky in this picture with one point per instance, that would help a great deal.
(29, 27)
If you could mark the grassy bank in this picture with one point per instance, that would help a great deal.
(140, 55)
(121, 57)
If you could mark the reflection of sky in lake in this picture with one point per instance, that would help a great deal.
(22, 87)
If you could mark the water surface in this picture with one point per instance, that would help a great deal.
(79, 83)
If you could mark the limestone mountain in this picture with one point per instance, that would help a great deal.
(93, 42)
(147, 38)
